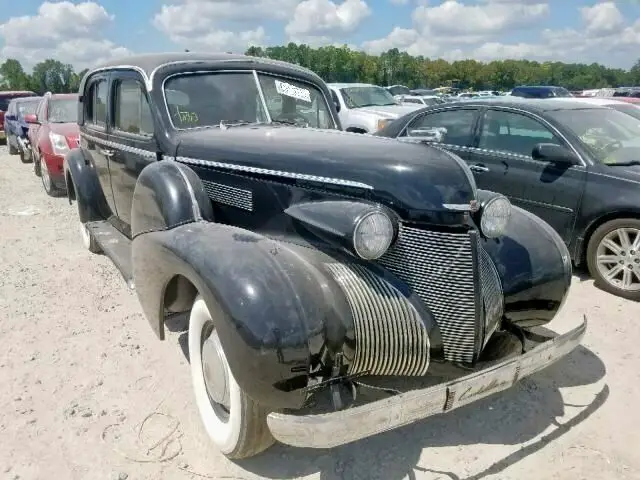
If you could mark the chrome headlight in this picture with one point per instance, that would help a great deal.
(495, 217)
(372, 235)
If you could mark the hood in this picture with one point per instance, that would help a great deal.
(629, 173)
(389, 111)
(412, 178)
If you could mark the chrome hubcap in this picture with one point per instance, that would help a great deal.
(214, 369)
(618, 258)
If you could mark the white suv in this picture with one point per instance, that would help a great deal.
(366, 108)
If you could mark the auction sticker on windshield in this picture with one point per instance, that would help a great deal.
(289, 90)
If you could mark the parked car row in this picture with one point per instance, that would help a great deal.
(42, 130)
(310, 260)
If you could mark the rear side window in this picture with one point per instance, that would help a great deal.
(132, 112)
(96, 105)
(452, 127)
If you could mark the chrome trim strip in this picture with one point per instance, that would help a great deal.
(230, 166)
(120, 146)
(345, 426)
(275, 173)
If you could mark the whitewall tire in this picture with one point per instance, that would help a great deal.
(235, 423)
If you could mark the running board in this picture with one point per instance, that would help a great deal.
(116, 246)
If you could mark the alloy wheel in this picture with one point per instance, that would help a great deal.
(618, 258)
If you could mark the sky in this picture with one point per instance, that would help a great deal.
(84, 33)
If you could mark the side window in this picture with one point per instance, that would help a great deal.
(131, 112)
(513, 132)
(96, 104)
(452, 127)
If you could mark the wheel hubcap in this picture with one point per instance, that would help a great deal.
(214, 369)
(618, 258)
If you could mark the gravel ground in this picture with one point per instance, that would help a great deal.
(88, 392)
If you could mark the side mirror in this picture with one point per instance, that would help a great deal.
(550, 152)
(10, 117)
(31, 118)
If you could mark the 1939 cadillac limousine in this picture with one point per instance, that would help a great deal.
(310, 261)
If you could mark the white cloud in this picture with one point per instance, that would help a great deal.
(62, 30)
(316, 21)
(602, 18)
(208, 23)
(453, 30)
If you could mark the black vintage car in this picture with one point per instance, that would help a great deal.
(310, 259)
(573, 163)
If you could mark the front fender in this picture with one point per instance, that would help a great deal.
(534, 267)
(81, 180)
(271, 306)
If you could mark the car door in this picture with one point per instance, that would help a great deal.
(134, 145)
(449, 127)
(95, 138)
(502, 162)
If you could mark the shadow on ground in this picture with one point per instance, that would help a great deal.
(512, 418)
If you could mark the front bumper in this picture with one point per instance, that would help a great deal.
(338, 428)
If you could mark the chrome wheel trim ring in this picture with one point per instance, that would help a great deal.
(215, 372)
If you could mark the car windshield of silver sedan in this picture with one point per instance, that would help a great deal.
(28, 107)
(222, 99)
(612, 137)
(63, 111)
(357, 97)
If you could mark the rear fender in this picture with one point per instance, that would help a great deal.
(83, 186)
(168, 194)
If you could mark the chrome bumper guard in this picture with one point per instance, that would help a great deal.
(338, 428)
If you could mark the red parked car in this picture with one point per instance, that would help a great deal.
(53, 132)
(5, 98)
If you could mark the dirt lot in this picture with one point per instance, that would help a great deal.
(88, 392)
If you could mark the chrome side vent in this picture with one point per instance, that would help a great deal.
(440, 268)
(390, 336)
(227, 195)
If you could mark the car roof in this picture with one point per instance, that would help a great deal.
(16, 92)
(596, 100)
(531, 104)
(347, 85)
(25, 99)
(149, 62)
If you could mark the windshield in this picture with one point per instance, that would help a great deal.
(629, 109)
(63, 110)
(356, 97)
(611, 136)
(28, 107)
(215, 99)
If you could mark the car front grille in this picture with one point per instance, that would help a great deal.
(390, 337)
(440, 268)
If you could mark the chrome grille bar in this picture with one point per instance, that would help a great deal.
(439, 268)
(390, 336)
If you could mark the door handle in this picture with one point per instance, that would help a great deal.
(106, 153)
(479, 168)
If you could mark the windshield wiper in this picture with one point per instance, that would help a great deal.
(290, 122)
(631, 163)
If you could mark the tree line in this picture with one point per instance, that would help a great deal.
(342, 64)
